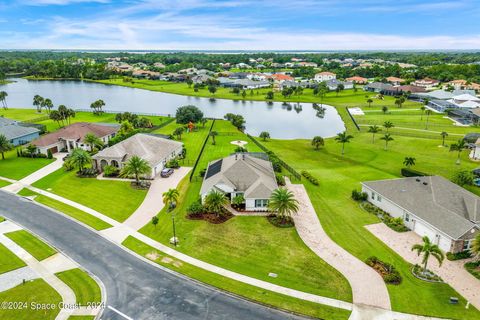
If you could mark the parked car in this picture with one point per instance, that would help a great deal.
(167, 172)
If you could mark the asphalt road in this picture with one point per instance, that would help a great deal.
(134, 287)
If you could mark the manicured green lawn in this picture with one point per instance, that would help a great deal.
(116, 199)
(193, 141)
(247, 245)
(343, 219)
(81, 318)
(4, 183)
(249, 292)
(17, 168)
(85, 288)
(37, 292)
(75, 213)
(37, 248)
(9, 261)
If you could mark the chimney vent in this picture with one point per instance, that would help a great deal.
(418, 180)
(425, 183)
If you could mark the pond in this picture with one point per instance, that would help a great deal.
(282, 121)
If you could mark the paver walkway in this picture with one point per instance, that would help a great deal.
(367, 285)
(451, 272)
(16, 186)
(153, 204)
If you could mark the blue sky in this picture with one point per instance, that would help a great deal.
(240, 24)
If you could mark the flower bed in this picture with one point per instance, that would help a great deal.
(426, 275)
(281, 222)
(395, 224)
(473, 268)
(388, 272)
(211, 217)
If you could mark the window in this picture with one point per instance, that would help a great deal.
(407, 217)
(379, 199)
(373, 195)
(466, 245)
(261, 203)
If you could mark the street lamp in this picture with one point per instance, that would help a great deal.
(171, 207)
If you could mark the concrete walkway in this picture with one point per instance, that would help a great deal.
(451, 272)
(367, 285)
(16, 186)
(153, 203)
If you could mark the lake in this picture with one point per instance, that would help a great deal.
(292, 121)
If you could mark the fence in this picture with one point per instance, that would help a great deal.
(201, 151)
(38, 119)
(353, 119)
(163, 124)
(292, 171)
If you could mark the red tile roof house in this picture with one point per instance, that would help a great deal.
(395, 81)
(426, 83)
(72, 136)
(358, 80)
(279, 78)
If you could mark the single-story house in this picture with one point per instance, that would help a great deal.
(17, 133)
(378, 87)
(325, 76)
(156, 150)
(440, 105)
(241, 174)
(243, 83)
(398, 90)
(72, 137)
(430, 206)
(462, 84)
(395, 81)
(426, 83)
(357, 80)
(280, 77)
(442, 94)
(334, 83)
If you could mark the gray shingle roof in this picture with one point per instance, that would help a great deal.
(243, 173)
(443, 204)
(13, 130)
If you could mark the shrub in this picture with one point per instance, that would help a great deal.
(310, 178)
(68, 165)
(202, 173)
(188, 114)
(463, 177)
(459, 255)
(110, 171)
(49, 154)
(395, 224)
(359, 196)
(174, 164)
(280, 179)
(195, 208)
(408, 172)
(388, 272)
(240, 149)
(473, 268)
(87, 173)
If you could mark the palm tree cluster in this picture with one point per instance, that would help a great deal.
(93, 141)
(62, 116)
(42, 103)
(97, 106)
(5, 145)
(459, 146)
(215, 202)
(136, 167)
(3, 99)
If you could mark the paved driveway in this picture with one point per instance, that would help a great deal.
(134, 287)
(451, 272)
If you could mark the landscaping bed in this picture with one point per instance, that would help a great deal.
(426, 275)
(281, 222)
(473, 268)
(395, 224)
(388, 272)
(210, 217)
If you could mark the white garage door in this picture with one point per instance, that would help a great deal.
(422, 230)
(444, 243)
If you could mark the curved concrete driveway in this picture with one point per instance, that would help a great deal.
(134, 287)
(367, 286)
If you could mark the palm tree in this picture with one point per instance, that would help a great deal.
(475, 247)
(47, 104)
(93, 141)
(428, 113)
(422, 108)
(444, 135)
(388, 125)
(387, 137)
(213, 134)
(373, 130)
(80, 158)
(369, 101)
(3, 99)
(178, 132)
(5, 145)
(170, 198)
(215, 202)
(318, 142)
(137, 167)
(264, 135)
(384, 109)
(37, 102)
(409, 161)
(427, 249)
(343, 138)
(283, 203)
(459, 147)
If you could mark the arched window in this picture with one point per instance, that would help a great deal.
(114, 163)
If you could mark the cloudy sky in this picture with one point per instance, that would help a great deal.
(239, 24)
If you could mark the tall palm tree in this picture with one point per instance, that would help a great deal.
(137, 167)
(475, 247)
(47, 104)
(458, 147)
(264, 135)
(374, 130)
(213, 134)
(37, 102)
(428, 249)
(387, 138)
(422, 108)
(215, 202)
(409, 161)
(428, 113)
(92, 140)
(343, 138)
(369, 101)
(80, 158)
(388, 125)
(170, 197)
(3, 99)
(444, 135)
(384, 109)
(318, 142)
(283, 203)
(5, 145)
